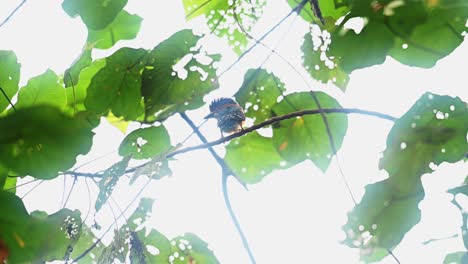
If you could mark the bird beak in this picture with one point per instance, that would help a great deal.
(210, 115)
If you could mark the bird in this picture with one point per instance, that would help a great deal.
(228, 113)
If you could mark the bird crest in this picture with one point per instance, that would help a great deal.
(217, 103)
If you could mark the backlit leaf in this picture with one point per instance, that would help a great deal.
(41, 141)
(96, 14)
(9, 76)
(305, 137)
(145, 143)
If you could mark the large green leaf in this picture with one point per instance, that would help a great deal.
(222, 20)
(319, 66)
(417, 33)
(41, 141)
(263, 157)
(433, 40)
(96, 14)
(178, 74)
(434, 130)
(9, 76)
(38, 237)
(306, 137)
(145, 143)
(45, 89)
(117, 86)
(382, 218)
(125, 26)
(109, 180)
(258, 93)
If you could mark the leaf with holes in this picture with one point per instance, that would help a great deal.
(141, 213)
(190, 248)
(9, 77)
(125, 26)
(145, 143)
(316, 62)
(45, 89)
(177, 76)
(433, 131)
(305, 137)
(84, 241)
(225, 16)
(382, 218)
(441, 32)
(38, 237)
(258, 93)
(27, 150)
(109, 180)
(117, 86)
(263, 157)
(96, 14)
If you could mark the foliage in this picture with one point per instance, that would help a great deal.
(51, 120)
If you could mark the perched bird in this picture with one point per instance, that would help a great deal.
(228, 113)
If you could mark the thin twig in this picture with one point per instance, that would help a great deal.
(250, 129)
(12, 13)
(294, 10)
(7, 98)
(226, 172)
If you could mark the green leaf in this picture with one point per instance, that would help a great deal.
(96, 14)
(141, 213)
(222, 21)
(84, 241)
(433, 131)
(125, 26)
(319, 66)
(433, 40)
(382, 218)
(416, 33)
(145, 143)
(71, 75)
(263, 157)
(305, 137)
(258, 93)
(191, 248)
(76, 95)
(35, 238)
(45, 89)
(331, 10)
(139, 243)
(118, 249)
(178, 74)
(117, 85)
(109, 180)
(460, 257)
(9, 76)
(355, 51)
(41, 141)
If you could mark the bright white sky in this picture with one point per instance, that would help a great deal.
(292, 216)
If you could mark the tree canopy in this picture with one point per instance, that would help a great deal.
(51, 120)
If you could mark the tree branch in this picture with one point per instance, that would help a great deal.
(271, 121)
(281, 118)
(226, 171)
(12, 13)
